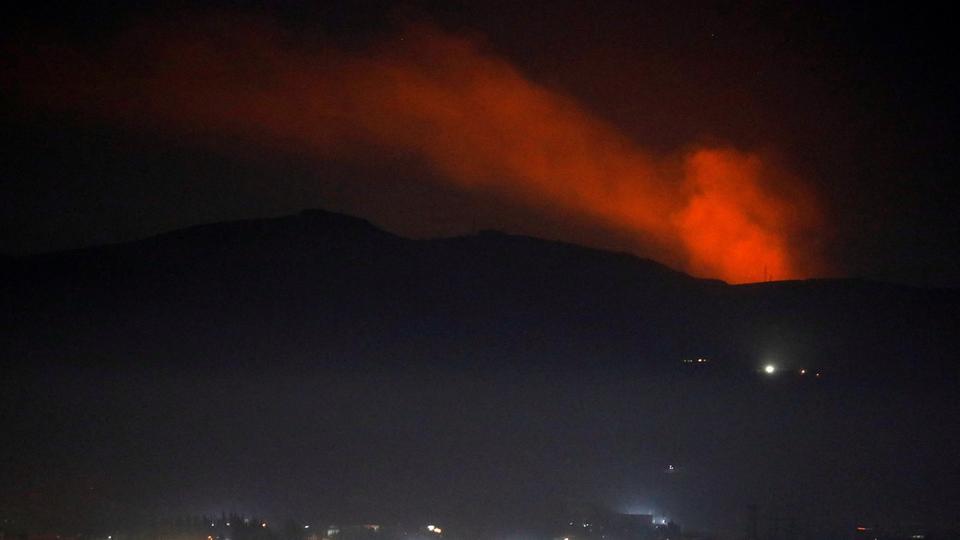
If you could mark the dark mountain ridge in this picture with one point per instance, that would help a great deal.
(326, 287)
(319, 361)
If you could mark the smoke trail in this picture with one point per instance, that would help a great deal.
(471, 115)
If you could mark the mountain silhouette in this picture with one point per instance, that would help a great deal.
(315, 366)
(321, 287)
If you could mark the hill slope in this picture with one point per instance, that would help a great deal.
(322, 287)
(318, 367)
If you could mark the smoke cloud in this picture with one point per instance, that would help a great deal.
(469, 114)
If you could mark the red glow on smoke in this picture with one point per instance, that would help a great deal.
(470, 115)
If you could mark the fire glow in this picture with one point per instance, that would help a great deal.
(470, 115)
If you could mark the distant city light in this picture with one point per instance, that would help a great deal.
(264, 524)
(306, 526)
(769, 369)
(803, 372)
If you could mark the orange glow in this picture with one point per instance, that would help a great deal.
(471, 116)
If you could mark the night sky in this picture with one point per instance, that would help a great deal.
(389, 355)
(817, 140)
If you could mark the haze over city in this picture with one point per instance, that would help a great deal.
(538, 271)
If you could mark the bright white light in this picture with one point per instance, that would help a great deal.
(769, 369)
(431, 527)
(306, 526)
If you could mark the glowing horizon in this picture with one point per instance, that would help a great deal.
(471, 116)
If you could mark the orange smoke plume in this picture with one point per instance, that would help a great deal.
(471, 116)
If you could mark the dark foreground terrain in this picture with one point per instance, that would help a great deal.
(316, 366)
